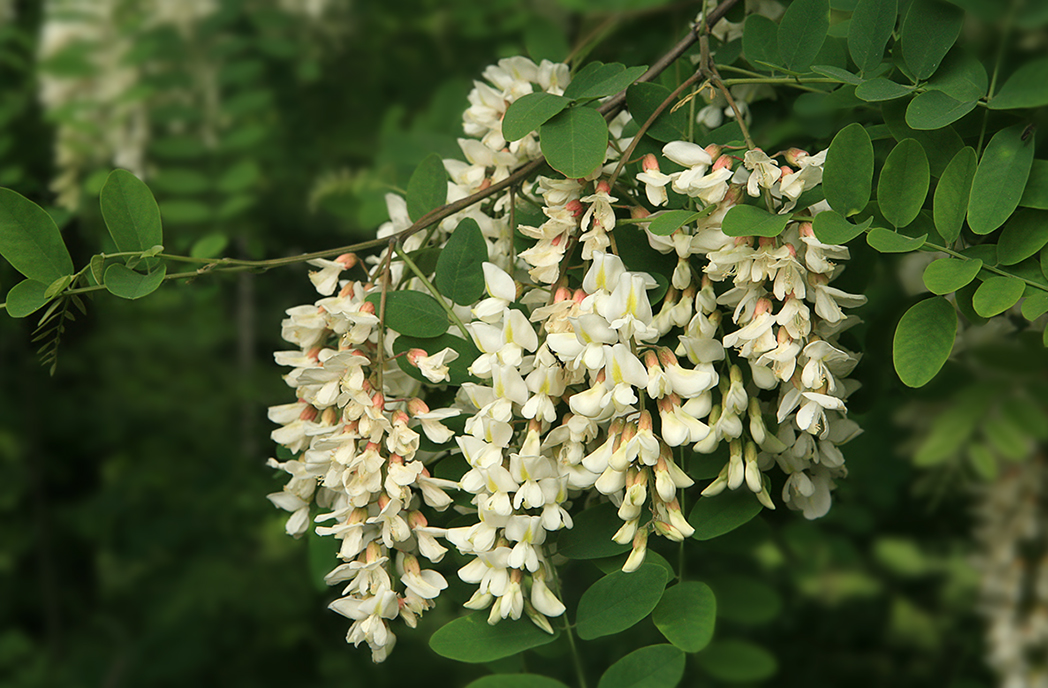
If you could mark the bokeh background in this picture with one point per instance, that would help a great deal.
(137, 547)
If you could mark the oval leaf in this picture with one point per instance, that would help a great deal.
(643, 99)
(590, 535)
(516, 681)
(848, 172)
(127, 284)
(947, 275)
(26, 297)
(427, 188)
(1027, 88)
(130, 212)
(412, 313)
(30, 240)
(575, 142)
(876, 90)
(929, 31)
(841, 75)
(802, 31)
(597, 80)
(831, 228)
(619, 600)
(760, 41)
(460, 272)
(471, 639)
(686, 615)
(737, 661)
(748, 220)
(950, 202)
(903, 184)
(997, 294)
(529, 112)
(1000, 179)
(1024, 234)
(961, 76)
(669, 222)
(1035, 195)
(655, 666)
(1034, 306)
(887, 241)
(935, 110)
(939, 144)
(871, 26)
(714, 516)
(923, 340)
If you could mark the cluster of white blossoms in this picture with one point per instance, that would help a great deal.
(586, 389)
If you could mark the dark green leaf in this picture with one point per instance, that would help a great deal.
(879, 89)
(1027, 88)
(471, 639)
(516, 681)
(802, 31)
(597, 80)
(929, 31)
(903, 184)
(738, 661)
(127, 284)
(590, 536)
(130, 212)
(841, 75)
(1035, 195)
(575, 141)
(960, 76)
(529, 112)
(427, 188)
(655, 666)
(760, 41)
(831, 228)
(458, 370)
(26, 298)
(935, 110)
(923, 340)
(1024, 234)
(669, 222)
(714, 516)
(686, 615)
(1035, 305)
(749, 220)
(947, 275)
(997, 294)
(950, 202)
(30, 240)
(871, 26)
(940, 144)
(460, 275)
(619, 600)
(412, 313)
(643, 99)
(1000, 179)
(848, 176)
(745, 600)
(887, 241)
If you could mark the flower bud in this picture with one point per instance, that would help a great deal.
(640, 549)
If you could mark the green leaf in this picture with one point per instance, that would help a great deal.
(127, 284)
(745, 600)
(983, 461)
(871, 26)
(529, 112)
(887, 241)
(903, 184)
(1034, 306)
(1000, 179)
(619, 600)
(130, 212)
(209, 246)
(841, 75)
(950, 202)
(1024, 234)
(1026, 88)
(686, 615)
(923, 340)
(1026, 414)
(575, 141)
(590, 536)
(947, 275)
(929, 31)
(749, 220)
(58, 286)
(471, 639)
(1035, 195)
(879, 89)
(655, 666)
(412, 313)
(26, 298)
(848, 172)
(516, 681)
(460, 275)
(427, 188)
(802, 31)
(940, 144)
(597, 80)
(1008, 437)
(831, 228)
(997, 294)
(935, 110)
(760, 41)
(960, 76)
(30, 240)
(643, 99)
(714, 516)
(98, 267)
(669, 222)
(458, 370)
(738, 661)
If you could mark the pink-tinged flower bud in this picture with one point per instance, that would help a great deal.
(650, 162)
(784, 170)
(378, 400)
(629, 431)
(562, 294)
(314, 354)
(374, 551)
(651, 359)
(603, 187)
(400, 418)
(791, 249)
(396, 460)
(733, 195)
(416, 406)
(714, 150)
(782, 337)
(644, 424)
(763, 306)
(308, 414)
(516, 576)
(806, 230)
(410, 564)
(766, 242)
(723, 162)
(576, 208)
(367, 307)
(640, 549)
(578, 296)
(639, 213)
(329, 416)
(601, 376)
(366, 387)
(484, 184)
(346, 291)
(414, 355)
(358, 515)
(794, 156)
(667, 357)
(348, 260)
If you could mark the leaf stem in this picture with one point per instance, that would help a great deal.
(433, 290)
(579, 673)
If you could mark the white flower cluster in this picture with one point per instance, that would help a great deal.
(584, 391)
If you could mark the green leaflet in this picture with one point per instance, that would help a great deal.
(516, 681)
(939, 144)
(936, 109)
(714, 516)
(127, 284)
(760, 41)
(686, 615)
(1035, 195)
(427, 188)
(738, 661)
(879, 89)
(997, 294)
(903, 183)
(471, 639)
(923, 340)
(597, 80)
(929, 31)
(1024, 234)
(643, 99)
(30, 240)
(848, 177)
(831, 228)
(655, 666)
(748, 220)
(575, 141)
(842, 75)
(460, 275)
(1000, 179)
(130, 212)
(529, 112)
(960, 76)
(947, 275)
(669, 222)
(950, 202)
(887, 241)
(26, 298)
(619, 600)
(802, 31)
(239, 177)
(1026, 88)
(871, 27)
(590, 536)
(412, 313)
(1034, 306)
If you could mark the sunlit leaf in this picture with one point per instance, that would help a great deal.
(947, 275)
(997, 294)
(412, 313)
(748, 220)
(1000, 179)
(130, 212)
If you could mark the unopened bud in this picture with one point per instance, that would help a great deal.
(713, 150)
(348, 260)
(640, 549)
(723, 162)
(639, 213)
(794, 156)
(650, 162)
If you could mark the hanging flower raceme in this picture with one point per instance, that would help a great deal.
(577, 359)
